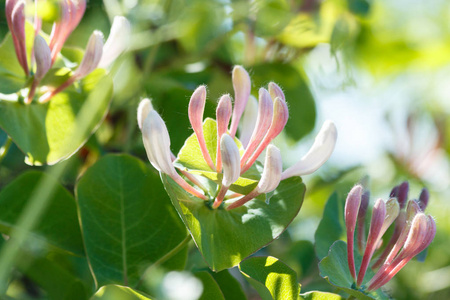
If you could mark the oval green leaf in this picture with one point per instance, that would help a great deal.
(59, 225)
(127, 220)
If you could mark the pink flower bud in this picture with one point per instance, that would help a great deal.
(117, 42)
(196, 108)
(15, 16)
(242, 87)
(43, 57)
(263, 121)
(279, 120)
(361, 234)
(271, 175)
(145, 106)
(319, 153)
(248, 122)
(376, 224)
(92, 56)
(223, 114)
(392, 211)
(424, 198)
(352, 205)
(275, 91)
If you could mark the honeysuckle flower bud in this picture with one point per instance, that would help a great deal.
(270, 177)
(117, 41)
(376, 224)
(279, 120)
(392, 211)
(424, 198)
(275, 91)
(263, 121)
(361, 234)
(92, 56)
(352, 205)
(242, 86)
(231, 166)
(195, 112)
(42, 56)
(15, 16)
(248, 122)
(145, 106)
(402, 196)
(157, 145)
(223, 115)
(318, 154)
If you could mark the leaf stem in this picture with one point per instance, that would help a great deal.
(4, 150)
(164, 258)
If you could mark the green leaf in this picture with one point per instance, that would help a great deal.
(277, 11)
(224, 237)
(117, 292)
(332, 227)
(320, 296)
(230, 287)
(59, 224)
(44, 131)
(334, 268)
(211, 289)
(302, 110)
(271, 278)
(127, 220)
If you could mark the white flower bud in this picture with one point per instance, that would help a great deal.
(273, 166)
(231, 160)
(92, 56)
(43, 57)
(118, 41)
(145, 106)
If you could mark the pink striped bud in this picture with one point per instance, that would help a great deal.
(223, 114)
(195, 112)
(275, 91)
(279, 120)
(352, 205)
(42, 56)
(15, 15)
(263, 121)
(92, 56)
(271, 175)
(376, 224)
(242, 87)
(319, 153)
(117, 42)
(248, 123)
(145, 106)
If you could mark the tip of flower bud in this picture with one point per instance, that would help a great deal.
(275, 91)
(197, 106)
(319, 153)
(273, 166)
(352, 205)
(402, 195)
(392, 211)
(412, 210)
(242, 87)
(424, 198)
(118, 41)
(145, 106)
(92, 56)
(231, 160)
(43, 57)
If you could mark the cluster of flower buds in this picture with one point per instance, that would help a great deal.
(256, 133)
(45, 54)
(413, 232)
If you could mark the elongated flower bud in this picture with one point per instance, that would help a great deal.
(378, 216)
(92, 56)
(230, 160)
(275, 91)
(145, 106)
(43, 57)
(319, 153)
(242, 87)
(352, 205)
(279, 120)
(117, 41)
(361, 234)
(263, 121)
(271, 175)
(223, 114)
(392, 211)
(424, 198)
(15, 13)
(195, 112)
(248, 122)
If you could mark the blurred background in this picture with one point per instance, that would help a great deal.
(379, 69)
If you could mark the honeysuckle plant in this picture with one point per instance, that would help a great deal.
(43, 69)
(372, 262)
(220, 189)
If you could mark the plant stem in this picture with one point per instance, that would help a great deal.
(5, 148)
(165, 258)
